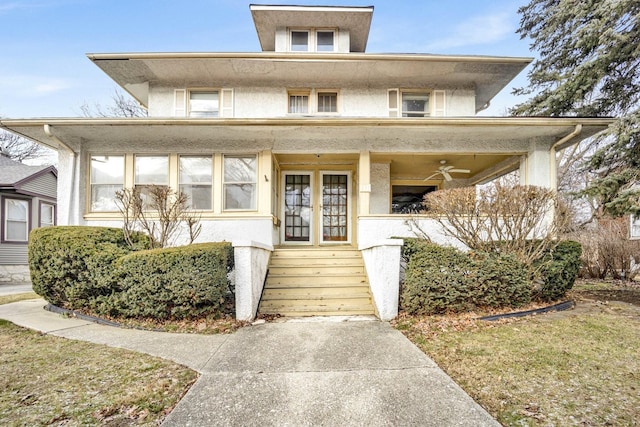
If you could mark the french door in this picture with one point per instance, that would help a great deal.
(316, 207)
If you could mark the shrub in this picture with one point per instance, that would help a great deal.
(559, 269)
(70, 266)
(172, 283)
(442, 279)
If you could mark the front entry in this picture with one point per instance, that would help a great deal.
(316, 207)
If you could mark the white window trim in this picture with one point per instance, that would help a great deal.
(313, 101)
(226, 101)
(5, 221)
(53, 214)
(312, 39)
(437, 102)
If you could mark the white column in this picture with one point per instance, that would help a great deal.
(538, 167)
(364, 180)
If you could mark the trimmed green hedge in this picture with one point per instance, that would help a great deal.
(94, 268)
(171, 283)
(71, 266)
(559, 270)
(443, 279)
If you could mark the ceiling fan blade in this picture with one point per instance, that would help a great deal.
(446, 175)
(460, 170)
(432, 175)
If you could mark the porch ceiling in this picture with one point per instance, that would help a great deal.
(307, 135)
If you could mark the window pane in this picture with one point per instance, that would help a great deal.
(240, 196)
(299, 104)
(152, 170)
(107, 177)
(107, 170)
(299, 41)
(46, 215)
(196, 181)
(204, 104)
(240, 169)
(415, 104)
(327, 102)
(16, 222)
(324, 41)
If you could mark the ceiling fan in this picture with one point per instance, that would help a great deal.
(446, 171)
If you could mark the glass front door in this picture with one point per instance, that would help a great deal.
(333, 216)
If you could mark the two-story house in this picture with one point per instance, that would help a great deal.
(308, 156)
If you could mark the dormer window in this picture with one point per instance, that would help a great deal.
(312, 40)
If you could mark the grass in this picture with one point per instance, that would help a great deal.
(48, 380)
(561, 370)
(6, 299)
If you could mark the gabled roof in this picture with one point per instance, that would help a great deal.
(268, 18)
(15, 174)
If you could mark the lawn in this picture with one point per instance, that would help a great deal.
(579, 367)
(49, 380)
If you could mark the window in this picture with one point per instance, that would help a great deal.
(312, 101)
(324, 41)
(312, 40)
(47, 215)
(415, 104)
(107, 177)
(407, 199)
(299, 102)
(634, 229)
(327, 102)
(240, 173)
(299, 41)
(150, 170)
(16, 220)
(196, 181)
(204, 104)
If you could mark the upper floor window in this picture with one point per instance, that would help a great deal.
(204, 104)
(16, 220)
(107, 177)
(312, 41)
(415, 104)
(308, 101)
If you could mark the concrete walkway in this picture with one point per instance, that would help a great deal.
(295, 373)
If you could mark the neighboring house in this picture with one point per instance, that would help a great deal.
(311, 149)
(27, 201)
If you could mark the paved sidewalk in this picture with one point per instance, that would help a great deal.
(14, 288)
(295, 373)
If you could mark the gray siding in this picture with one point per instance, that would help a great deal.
(13, 254)
(45, 185)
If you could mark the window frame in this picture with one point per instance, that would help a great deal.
(211, 184)
(190, 92)
(254, 201)
(417, 92)
(92, 184)
(312, 101)
(5, 219)
(312, 39)
(299, 93)
(42, 204)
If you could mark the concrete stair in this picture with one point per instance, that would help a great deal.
(316, 281)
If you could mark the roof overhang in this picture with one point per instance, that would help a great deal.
(269, 18)
(510, 135)
(135, 72)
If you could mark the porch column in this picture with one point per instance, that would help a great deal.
(264, 182)
(364, 183)
(538, 167)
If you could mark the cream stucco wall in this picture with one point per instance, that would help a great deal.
(380, 188)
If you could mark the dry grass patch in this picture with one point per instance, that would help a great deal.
(563, 370)
(48, 380)
(6, 299)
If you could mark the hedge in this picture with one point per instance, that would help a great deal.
(443, 279)
(172, 283)
(71, 266)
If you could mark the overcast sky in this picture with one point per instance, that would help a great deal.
(44, 71)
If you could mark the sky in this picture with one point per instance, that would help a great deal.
(44, 71)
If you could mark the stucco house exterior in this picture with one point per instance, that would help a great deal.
(27, 201)
(308, 155)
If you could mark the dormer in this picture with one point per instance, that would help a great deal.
(321, 29)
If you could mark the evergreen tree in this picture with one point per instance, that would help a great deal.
(589, 65)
